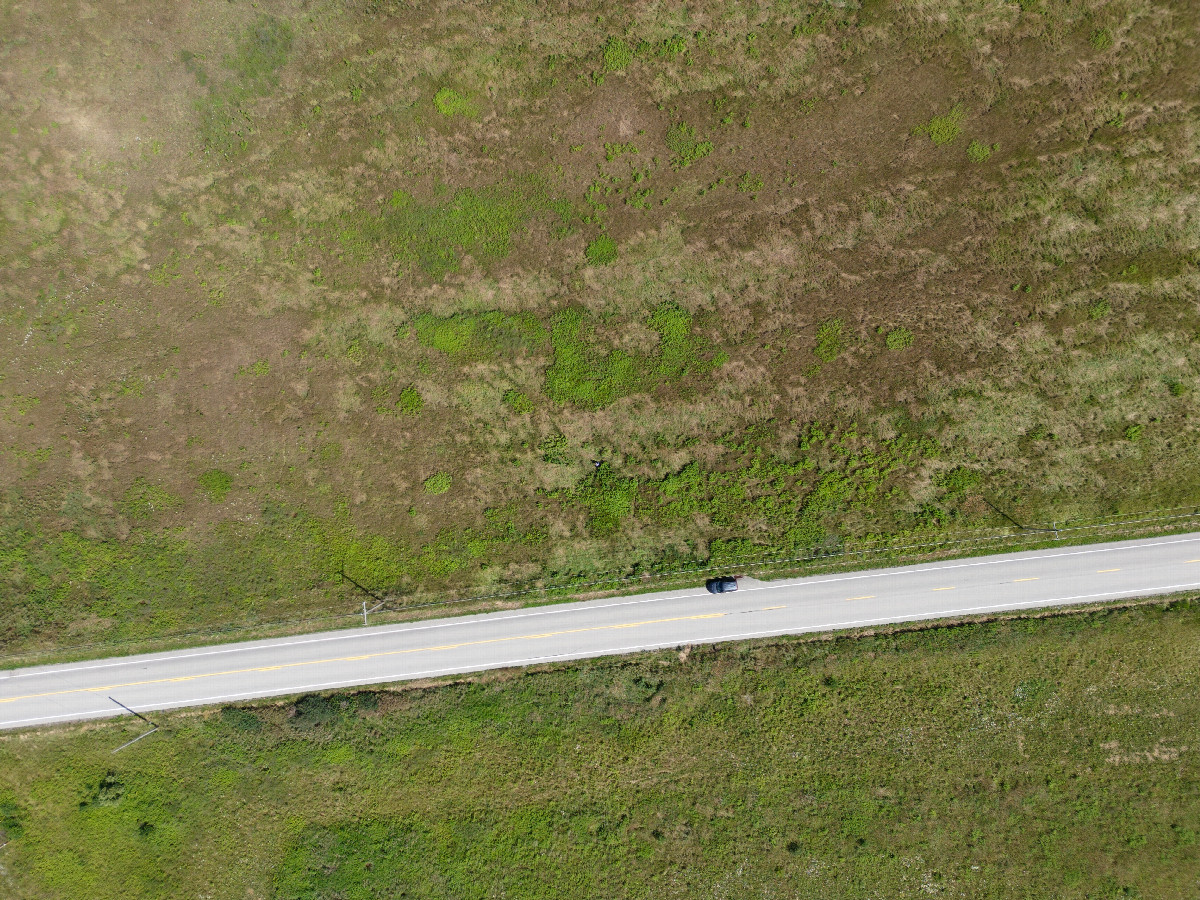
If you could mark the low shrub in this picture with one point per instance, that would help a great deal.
(617, 55)
(682, 141)
(519, 402)
(830, 342)
(215, 484)
(601, 251)
(899, 338)
(411, 402)
(438, 483)
(943, 130)
(451, 103)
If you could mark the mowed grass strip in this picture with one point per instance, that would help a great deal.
(1039, 757)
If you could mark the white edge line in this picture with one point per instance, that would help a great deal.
(562, 609)
(675, 642)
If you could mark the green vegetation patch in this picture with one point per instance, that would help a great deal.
(617, 55)
(554, 448)
(671, 47)
(143, 500)
(749, 183)
(435, 235)
(601, 251)
(836, 766)
(899, 339)
(944, 129)
(518, 401)
(257, 369)
(450, 102)
(831, 340)
(979, 152)
(792, 498)
(479, 335)
(613, 150)
(264, 48)
(437, 483)
(216, 484)
(585, 375)
(410, 402)
(12, 819)
(686, 147)
(607, 497)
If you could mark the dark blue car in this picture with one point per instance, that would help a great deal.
(722, 585)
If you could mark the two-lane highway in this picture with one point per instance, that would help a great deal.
(230, 672)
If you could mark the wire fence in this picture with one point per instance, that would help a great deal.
(849, 553)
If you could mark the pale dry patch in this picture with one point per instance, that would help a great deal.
(1159, 753)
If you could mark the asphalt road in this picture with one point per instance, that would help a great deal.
(230, 672)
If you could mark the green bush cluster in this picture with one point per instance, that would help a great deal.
(554, 448)
(678, 350)
(12, 818)
(617, 55)
(215, 484)
(434, 235)
(749, 183)
(257, 369)
(830, 340)
(438, 483)
(682, 141)
(410, 402)
(671, 47)
(607, 497)
(790, 501)
(601, 251)
(584, 375)
(899, 338)
(581, 373)
(944, 129)
(143, 500)
(450, 102)
(980, 152)
(613, 150)
(519, 402)
(479, 335)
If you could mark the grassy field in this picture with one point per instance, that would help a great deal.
(368, 287)
(1021, 758)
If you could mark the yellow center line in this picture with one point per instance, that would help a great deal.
(769, 608)
(944, 589)
(864, 597)
(1015, 580)
(382, 653)
(1193, 560)
(1100, 571)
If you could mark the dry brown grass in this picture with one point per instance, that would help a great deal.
(148, 276)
